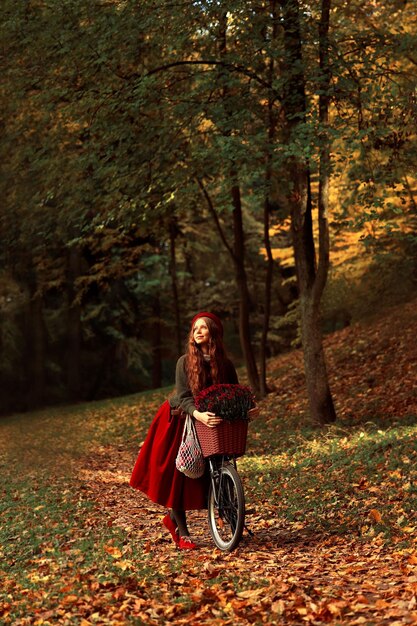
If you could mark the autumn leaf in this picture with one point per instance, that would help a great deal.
(332, 520)
(124, 565)
(375, 516)
(114, 552)
(278, 607)
(250, 594)
(70, 599)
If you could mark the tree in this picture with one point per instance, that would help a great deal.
(126, 127)
(234, 67)
(311, 281)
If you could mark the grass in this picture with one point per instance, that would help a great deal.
(63, 560)
(328, 481)
(334, 482)
(48, 529)
(315, 475)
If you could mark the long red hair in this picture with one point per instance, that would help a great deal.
(196, 370)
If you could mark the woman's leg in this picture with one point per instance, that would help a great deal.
(180, 518)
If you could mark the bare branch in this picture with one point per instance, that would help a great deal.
(231, 67)
(216, 218)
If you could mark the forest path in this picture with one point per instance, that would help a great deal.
(287, 573)
(332, 509)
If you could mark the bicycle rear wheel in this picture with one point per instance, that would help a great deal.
(226, 508)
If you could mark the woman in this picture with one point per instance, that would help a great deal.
(204, 364)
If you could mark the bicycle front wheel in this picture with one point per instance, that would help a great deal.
(226, 509)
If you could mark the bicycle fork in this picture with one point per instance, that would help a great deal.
(216, 476)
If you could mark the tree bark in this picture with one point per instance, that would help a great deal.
(242, 284)
(156, 343)
(74, 326)
(310, 281)
(325, 146)
(237, 254)
(267, 300)
(267, 241)
(174, 282)
(36, 352)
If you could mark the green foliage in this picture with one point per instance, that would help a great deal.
(366, 287)
(76, 540)
(345, 465)
(112, 111)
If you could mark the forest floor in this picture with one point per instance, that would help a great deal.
(332, 510)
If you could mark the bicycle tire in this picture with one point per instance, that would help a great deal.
(226, 518)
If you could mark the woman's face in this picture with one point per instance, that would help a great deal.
(201, 334)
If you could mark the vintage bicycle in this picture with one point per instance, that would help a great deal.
(226, 499)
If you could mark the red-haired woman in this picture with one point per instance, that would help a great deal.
(204, 364)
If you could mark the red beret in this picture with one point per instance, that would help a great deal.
(212, 316)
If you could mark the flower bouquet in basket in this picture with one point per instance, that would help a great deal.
(232, 403)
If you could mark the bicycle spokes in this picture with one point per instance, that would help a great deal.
(226, 510)
(228, 502)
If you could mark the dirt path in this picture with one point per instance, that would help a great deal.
(285, 574)
(331, 509)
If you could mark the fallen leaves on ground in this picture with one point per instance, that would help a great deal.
(332, 511)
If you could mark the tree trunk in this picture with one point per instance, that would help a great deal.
(74, 326)
(325, 146)
(156, 344)
(318, 390)
(267, 301)
(242, 284)
(237, 254)
(174, 283)
(238, 251)
(310, 282)
(36, 356)
(267, 241)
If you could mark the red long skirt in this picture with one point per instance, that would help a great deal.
(155, 473)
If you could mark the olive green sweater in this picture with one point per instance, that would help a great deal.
(183, 398)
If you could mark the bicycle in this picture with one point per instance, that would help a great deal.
(226, 502)
(226, 498)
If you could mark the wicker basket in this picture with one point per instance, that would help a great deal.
(226, 438)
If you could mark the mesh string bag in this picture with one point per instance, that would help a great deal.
(190, 460)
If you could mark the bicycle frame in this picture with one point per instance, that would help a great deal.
(216, 462)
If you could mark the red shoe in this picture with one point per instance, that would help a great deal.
(185, 543)
(169, 525)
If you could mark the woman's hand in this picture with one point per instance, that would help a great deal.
(254, 412)
(209, 419)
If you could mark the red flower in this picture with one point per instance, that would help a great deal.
(228, 401)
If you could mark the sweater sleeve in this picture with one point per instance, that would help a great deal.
(183, 392)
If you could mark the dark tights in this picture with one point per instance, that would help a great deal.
(179, 517)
